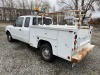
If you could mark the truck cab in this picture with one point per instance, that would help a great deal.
(20, 29)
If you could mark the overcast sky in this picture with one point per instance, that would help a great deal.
(52, 3)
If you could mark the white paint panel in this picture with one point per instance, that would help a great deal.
(17, 33)
(33, 37)
(41, 32)
(25, 34)
(52, 34)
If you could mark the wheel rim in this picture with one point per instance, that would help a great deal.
(45, 53)
(9, 37)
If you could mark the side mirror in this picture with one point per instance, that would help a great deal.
(14, 24)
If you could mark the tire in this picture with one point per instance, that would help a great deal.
(46, 52)
(9, 37)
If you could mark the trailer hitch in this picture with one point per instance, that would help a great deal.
(73, 64)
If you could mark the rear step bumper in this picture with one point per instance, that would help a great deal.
(81, 54)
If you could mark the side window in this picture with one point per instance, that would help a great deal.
(47, 21)
(34, 21)
(40, 21)
(27, 21)
(37, 21)
(19, 22)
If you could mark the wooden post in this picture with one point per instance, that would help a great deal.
(57, 19)
(52, 18)
(42, 19)
(37, 20)
(80, 18)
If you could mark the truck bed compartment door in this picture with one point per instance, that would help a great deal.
(26, 30)
(65, 44)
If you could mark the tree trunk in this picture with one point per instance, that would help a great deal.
(82, 5)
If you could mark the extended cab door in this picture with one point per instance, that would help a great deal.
(17, 29)
(26, 30)
(33, 33)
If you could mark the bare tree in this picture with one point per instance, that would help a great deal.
(3, 1)
(44, 5)
(9, 4)
(98, 4)
(53, 9)
(31, 5)
(21, 4)
(86, 5)
(3, 4)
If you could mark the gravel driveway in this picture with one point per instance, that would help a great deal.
(18, 58)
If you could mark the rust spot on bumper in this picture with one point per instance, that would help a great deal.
(81, 54)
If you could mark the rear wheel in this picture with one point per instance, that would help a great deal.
(46, 52)
(9, 37)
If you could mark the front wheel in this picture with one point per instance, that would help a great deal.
(46, 52)
(9, 37)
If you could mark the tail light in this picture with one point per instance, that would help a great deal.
(75, 37)
(90, 32)
(75, 41)
(68, 57)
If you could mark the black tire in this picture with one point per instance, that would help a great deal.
(49, 56)
(9, 37)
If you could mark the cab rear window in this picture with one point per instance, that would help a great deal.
(37, 21)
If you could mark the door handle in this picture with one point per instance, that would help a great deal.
(19, 29)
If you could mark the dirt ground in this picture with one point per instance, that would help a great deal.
(3, 24)
(18, 58)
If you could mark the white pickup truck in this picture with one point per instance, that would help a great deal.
(68, 42)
